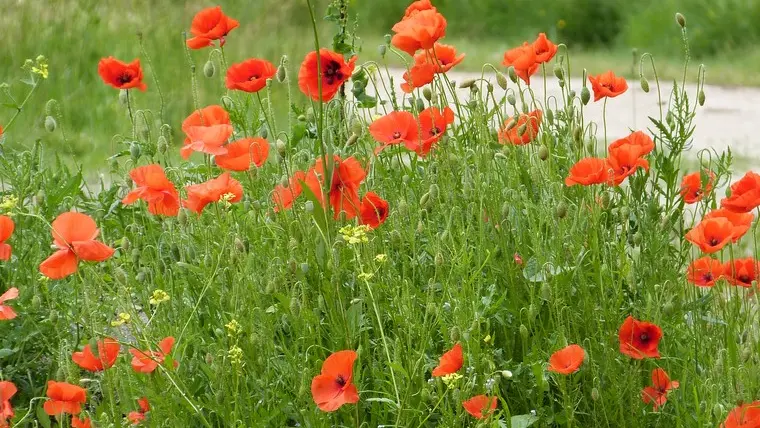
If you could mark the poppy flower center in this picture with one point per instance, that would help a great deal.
(707, 277)
(396, 135)
(714, 241)
(745, 279)
(340, 380)
(644, 337)
(332, 72)
(435, 131)
(254, 77)
(125, 77)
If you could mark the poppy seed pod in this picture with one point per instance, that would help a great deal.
(427, 93)
(512, 74)
(125, 244)
(209, 69)
(50, 124)
(585, 95)
(424, 200)
(543, 152)
(438, 259)
(701, 97)
(680, 20)
(644, 84)
(501, 80)
(36, 301)
(182, 217)
(434, 191)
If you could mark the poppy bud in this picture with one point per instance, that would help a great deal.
(489, 87)
(239, 245)
(228, 103)
(120, 275)
(209, 69)
(454, 334)
(182, 217)
(50, 124)
(424, 200)
(561, 210)
(558, 71)
(644, 84)
(434, 191)
(352, 140)
(701, 97)
(427, 93)
(524, 333)
(532, 311)
(309, 207)
(681, 20)
(637, 238)
(585, 95)
(501, 80)
(295, 306)
(123, 97)
(543, 152)
(36, 301)
(669, 119)
(506, 374)
(140, 277)
(511, 99)
(209, 358)
(420, 104)
(467, 83)
(512, 74)
(420, 227)
(396, 237)
(281, 147)
(667, 308)
(594, 394)
(387, 39)
(438, 259)
(162, 145)
(561, 83)
(53, 316)
(301, 118)
(282, 73)
(135, 256)
(521, 129)
(546, 292)
(550, 115)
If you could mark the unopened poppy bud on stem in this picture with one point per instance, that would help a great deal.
(427, 93)
(501, 80)
(162, 145)
(681, 20)
(352, 140)
(701, 97)
(558, 71)
(644, 84)
(209, 69)
(585, 95)
(512, 74)
(382, 50)
(281, 147)
(543, 152)
(50, 124)
(511, 98)
(282, 73)
(524, 332)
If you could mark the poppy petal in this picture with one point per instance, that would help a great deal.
(59, 265)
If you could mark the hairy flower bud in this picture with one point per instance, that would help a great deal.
(501, 80)
(644, 84)
(680, 19)
(427, 93)
(585, 95)
(162, 145)
(50, 124)
(701, 97)
(382, 50)
(282, 73)
(209, 69)
(561, 210)
(543, 152)
(467, 83)
(558, 71)
(511, 98)
(512, 74)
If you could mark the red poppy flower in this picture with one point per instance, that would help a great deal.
(154, 188)
(397, 127)
(745, 194)
(657, 394)
(712, 234)
(692, 189)
(223, 187)
(208, 25)
(144, 404)
(283, 197)
(207, 130)
(588, 171)
(522, 132)
(121, 75)
(418, 31)
(347, 175)
(74, 235)
(544, 48)
(523, 59)
(7, 391)
(639, 339)
(250, 75)
(108, 352)
(373, 210)
(744, 416)
(623, 161)
(6, 312)
(6, 230)
(333, 388)
(148, 361)
(418, 76)
(135, 418)
(64, 398)
(335, 71)
(741, 272)
(445, 55)
(567, 360)
(607, 85)
(417, 6)
(433, 124)
(639, 140)
(741, 221)
(450, 362)
(241, 153)
(704, 272)
(80, 423)
(480, 406)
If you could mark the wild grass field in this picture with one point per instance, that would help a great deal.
(311, 243)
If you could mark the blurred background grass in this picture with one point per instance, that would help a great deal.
(75, 34)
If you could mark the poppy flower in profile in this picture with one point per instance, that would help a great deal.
(588, 171)
(744, 416)
(741, 272)
(450, 362)
(445, 55)
(607, 85)
(396, 127)
(333, 387)
(121, 75)
(624, 161)
(241, 153)
(433, 124)
(418, 76)
(480, 406)
(6, 230)
(373, 210)
(417, 6)
(711, 235)
(283, 197)
(64, 398)
(692, 188)
(420, 30)
(740, 221)
(544, 48)
(250, 75)
(74, 235)
(7, 391)
(148, 361)
(135, 417)
(347, 175)
(206, 131)
(208, 25)
(638, 140)
(704, 271)
(108, 352)
(657, 394)
(745, 194)
(6, 312)
(223, 188)
(154, 188)
(639, 339)
(523, 59)
(80, 423)
(523, 131)
(567, 360)
(335, 71)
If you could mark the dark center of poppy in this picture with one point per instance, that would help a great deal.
(254, 77)
(435, 131)
(125, 77)
(745, 279)
(707, 277)
(714, 241)
(332, 72)
(644, 337)
(340, 380)
(396, 135)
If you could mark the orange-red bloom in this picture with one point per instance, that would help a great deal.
(480, 406)
(418, 76)
(567, 360)
(283, 197)
(397, 127)
(64, 398)
(418, 31)
(741, 272)
(207, 130)
(657, 394)
(711, 234)
(638, 140)
(135, 417)
(433, 124)
(588, 171)
(241, 153)
(347, 175)
(108, 352)
(544, 48)
(373, 210)
(250, 75)
(74, 235)
(333, 387)
(704, 271)
(639, 339)
(692, 188)
(7, 391)
(741, 221)
(148, 361)
(223, 187)
(745, 194)
(450, 362)
(445, 55)
(208, 25)
(121, 75)
(80, 423)
(523, 59)
(154, 188)
(607, 85)
(417, 6)
(6, 312)
(6, 230)
(744, 416)
(623, 161)
(335, 71)
(522, 132)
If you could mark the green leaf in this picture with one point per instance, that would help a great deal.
(5, 352)
(382, 400)
(523, 421)
(42, 417)
(319, 213)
